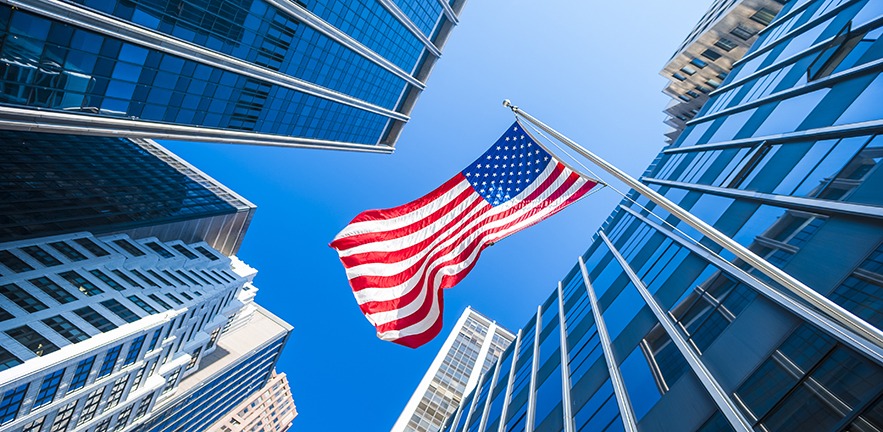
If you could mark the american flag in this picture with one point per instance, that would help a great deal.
(399, 260)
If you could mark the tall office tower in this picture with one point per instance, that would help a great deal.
(241, 366)
(55, 184)
(471, 348)
(720, 38)
(661, 334)
(96, 332)
(330, 74)
(271, 409)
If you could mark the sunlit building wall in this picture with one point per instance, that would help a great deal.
(471, 348)
(651, 331)
(270, 409)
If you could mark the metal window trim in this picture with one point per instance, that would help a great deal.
(626, 412)
(569, 426)
(828, 132)
(721, 398)
(406, 21)
(344, 39)
(794, 58)
(449, 12)
(122, 30)
(38, 120)
(800, 310)
(508, 392)
(827, 82)
(487, 403)
(812, 205)
(535, 366)
(794, 31)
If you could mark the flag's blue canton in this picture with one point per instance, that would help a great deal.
(510, 165)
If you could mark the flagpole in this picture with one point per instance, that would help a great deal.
(824, 304)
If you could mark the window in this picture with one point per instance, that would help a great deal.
(711, 54)
(172, 380)
(95, 319)
(173, 277)
(48, 388)
(184, 251)
(35, 426)
(159, 278)
(764, 16)
(829, 60)
(103, 426)
(208, 275)
(138, 377)
(698, 63)
(41, 256)
(160, 250)
(129, 247)
(90, 246)
(134, 350)
(214, 337)
(144, 278)
(143, 407)
(127, 279)
(194, 273)
(186, 296)
(81, 374)
(66, 329)
(725, 44)
(32, 340)
(119, 310)
(80, 283)
(116, 392)
(142, 304)
(184, 275)
(154, 339)
(68, 251)
(687, 69)
(107, 280)
(13, 262)
(91, 405)
(52, 289)
(174, 299)
(5, 315)
(194, 358)
(206, 253)
(11, 403)
(742, 32)
(705, 90)
(7, 360)
(123, 418)
(63, 418)
(159, 301)
(692, 94)
(110, 360)
(713, 83)
(21, 298)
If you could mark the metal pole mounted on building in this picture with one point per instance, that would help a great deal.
(834, 311)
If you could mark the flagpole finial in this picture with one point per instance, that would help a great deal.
(508, 104)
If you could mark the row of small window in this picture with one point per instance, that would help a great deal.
(17, 265)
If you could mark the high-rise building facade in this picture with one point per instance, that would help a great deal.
(242, 365)
(656, 330)
(471, 348)
(61, 183)
(701, 63)
(270, 409)
(329, 74)
(97, 332)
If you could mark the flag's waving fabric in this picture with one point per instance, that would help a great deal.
(399, 260)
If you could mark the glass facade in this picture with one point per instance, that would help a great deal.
(471, 349)
(660, 330)
(328, 70)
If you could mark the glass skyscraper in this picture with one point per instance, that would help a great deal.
(315, 73)
(659, 330)
(54, 184)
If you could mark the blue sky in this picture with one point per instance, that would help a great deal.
(588, 69)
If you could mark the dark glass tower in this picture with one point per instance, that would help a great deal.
(319, 73)
(56, 184)
(651, 331)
